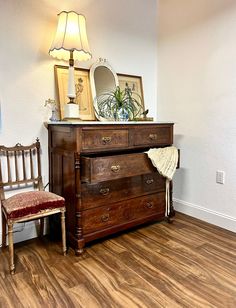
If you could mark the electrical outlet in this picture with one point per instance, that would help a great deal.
(220, 177)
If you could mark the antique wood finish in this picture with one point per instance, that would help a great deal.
(100, 139)
(186, 264)
(13, 156)
(152, 136)
(16, 177)
(102, 168)
(122, 212)
(115, 167)
(106, 192)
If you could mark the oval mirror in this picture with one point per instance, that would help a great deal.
(103, 79)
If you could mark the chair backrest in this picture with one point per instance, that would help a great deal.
(20, 167)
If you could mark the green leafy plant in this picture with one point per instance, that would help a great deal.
(112, 104)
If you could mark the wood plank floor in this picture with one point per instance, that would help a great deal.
(185, 264)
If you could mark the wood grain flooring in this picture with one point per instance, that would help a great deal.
(185, 264)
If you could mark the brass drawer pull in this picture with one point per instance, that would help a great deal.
(153, 136)
(104, 191)
(105, 218)
(149, 181)
(106, 140)
(115, 168)
(149, 205)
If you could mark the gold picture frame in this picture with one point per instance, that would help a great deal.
(83, 91)
(134, 83)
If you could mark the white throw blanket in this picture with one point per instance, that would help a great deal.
(165, 160)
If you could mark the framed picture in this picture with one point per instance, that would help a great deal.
(82, 90)
(135, 84)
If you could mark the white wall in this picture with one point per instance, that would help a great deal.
(124, 32)
(197, 90)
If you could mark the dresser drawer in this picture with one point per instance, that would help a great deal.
(98, 169)
(104, 139)
(103, 217)
(151, 136)
(94, 195)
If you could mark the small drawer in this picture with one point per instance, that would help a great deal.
(98, 169)
(104, 139)
(94, 195)
(148, 206)
(162, 135)
(115, 214)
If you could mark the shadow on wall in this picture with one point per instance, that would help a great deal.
(0, 118)
(180, 174)
(177, 140)
(172, 19)
(180, 182)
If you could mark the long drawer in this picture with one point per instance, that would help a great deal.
(103, 217)
(97, 194)
(98, 169)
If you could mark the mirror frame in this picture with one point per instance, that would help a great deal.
(100, 62)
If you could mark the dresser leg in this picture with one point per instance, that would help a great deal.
(79, 250)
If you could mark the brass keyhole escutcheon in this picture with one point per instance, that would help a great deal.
(104, 191)
(153, 136)
(105, 217)
(106, 140)
(115, 168)
(149, 205)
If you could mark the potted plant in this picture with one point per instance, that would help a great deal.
(119, 105)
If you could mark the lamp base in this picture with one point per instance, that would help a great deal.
(71, 111)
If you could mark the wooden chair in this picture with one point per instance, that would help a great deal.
(23, 169)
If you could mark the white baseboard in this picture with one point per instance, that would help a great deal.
(210, 216)
(29, 230)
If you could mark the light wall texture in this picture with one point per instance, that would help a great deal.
(197, 90)
(123, 32)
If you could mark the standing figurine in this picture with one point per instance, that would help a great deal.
(53, 106)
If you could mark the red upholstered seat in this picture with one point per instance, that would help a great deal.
(31, 202)
(22, 167)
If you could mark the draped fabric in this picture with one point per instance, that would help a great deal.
(165, 160)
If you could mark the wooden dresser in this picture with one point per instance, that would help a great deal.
(108, 181)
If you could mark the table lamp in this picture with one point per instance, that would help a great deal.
(71, 43)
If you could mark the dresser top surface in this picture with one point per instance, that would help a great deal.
(98, 123)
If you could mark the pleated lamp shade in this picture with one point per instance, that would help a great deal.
(71, 35)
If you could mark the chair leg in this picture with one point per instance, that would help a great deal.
(41, 227)
(11, 247)
(63, 232)
(4, 231)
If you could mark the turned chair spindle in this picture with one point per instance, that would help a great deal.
(22, 168)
